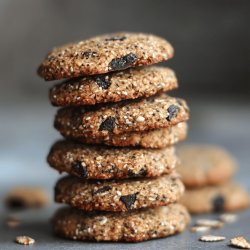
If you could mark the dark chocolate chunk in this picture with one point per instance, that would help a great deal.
(103, 81)
(116, 38)
(172, 112)
(16, 203)
(80, 169)
(102, 190)
(218, 203)
(122, 62)
(128, 200)
(108, 124)
(88, 54)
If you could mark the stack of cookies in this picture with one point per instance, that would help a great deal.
(119, 127)
(207, 171)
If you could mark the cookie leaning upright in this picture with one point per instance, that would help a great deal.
(103, 54)
(120, 128)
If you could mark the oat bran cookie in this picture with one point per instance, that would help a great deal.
(103, 54)
(133, 226)
(202, 165)
(157, 138)
(226, 197)
(118, 195)
(118, 118)
(100, 162)
(129, 84)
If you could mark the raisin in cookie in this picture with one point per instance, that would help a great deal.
(203, 165)
(226, 197)
(133, 226)
(103, 54)
(118, 118)
(118, 195)
(118, 86)
(100, 162)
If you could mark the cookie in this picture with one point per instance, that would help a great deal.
(103, 54)
(203, 165)
(95, 162)
(133, 226)
(26, 197)
(226, 197)
(118, 195)
(118, 86)
(158, 138)
(118, 118)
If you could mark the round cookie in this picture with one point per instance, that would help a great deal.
(118, 118)
(158, 138)
(103, 54)
(118, 195)
(202, 165)
(133, 226)
(227, 197)
(118, 86)
(95, 162)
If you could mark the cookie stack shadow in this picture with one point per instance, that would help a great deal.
(119, 128)
(207, 172)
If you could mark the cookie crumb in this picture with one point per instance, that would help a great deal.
(209, 223)
(228, 218)
(197, 229)
(211, 238)
(240, 242)
(24, 240)
(12, 222)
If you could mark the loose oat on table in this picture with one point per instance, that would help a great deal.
(199, 229)
(209, 223)
(113, 87)
(133, 226)
(26, 197)
(103, 54)
(159, 111)
(228, 218)
(211, 238)
(118, 195)
(240, 242)
(202, 165)
(24, 240)
(102, 162)
(12, 221)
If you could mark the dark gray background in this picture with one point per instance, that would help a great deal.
(212, 62)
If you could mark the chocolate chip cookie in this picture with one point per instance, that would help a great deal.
(118, 195)
(133, 226)
(100, 162)
(155, 112)
(103, 54)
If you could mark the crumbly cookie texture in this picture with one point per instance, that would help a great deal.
(26, 197)
(202, 165)
(95, 162)
(129, 116)
(103, 54)
(133, 226)
(118, 195)
(227, 197)
(129, 84)
(157, 138)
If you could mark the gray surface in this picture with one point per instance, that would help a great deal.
(26, 134)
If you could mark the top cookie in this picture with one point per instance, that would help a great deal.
(128, 84)
(203, 165)
(103, 54)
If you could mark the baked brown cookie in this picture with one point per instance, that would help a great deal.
(226, 197)
(26, 197)
(95, 162)
(118, 118)
(157, 138)
(133, 226)
(103, 54)
(202, 165)
(118, 195)
(128, 84)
